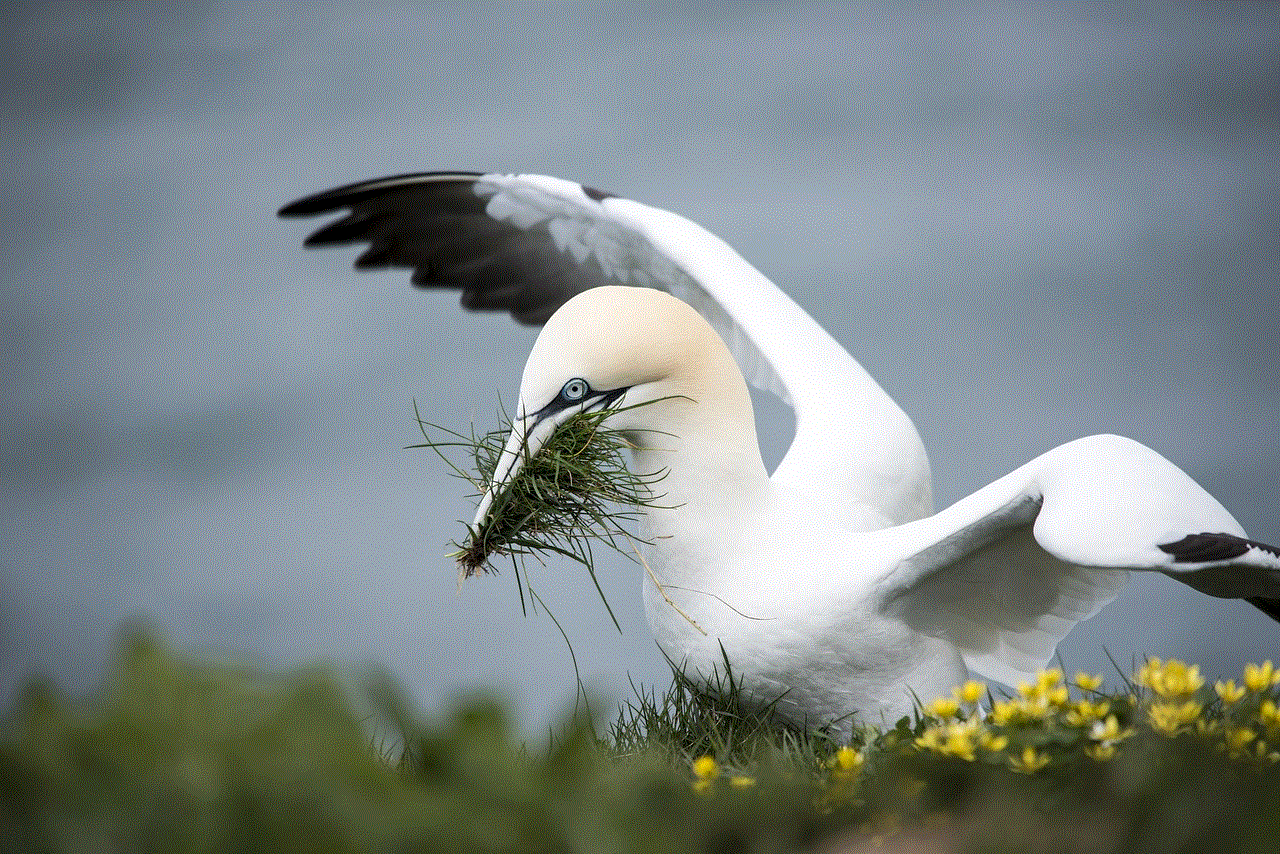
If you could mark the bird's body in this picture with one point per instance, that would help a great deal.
(788, 597)
(830, 587)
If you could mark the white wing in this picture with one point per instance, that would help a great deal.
(1006, 572)
(527, 243)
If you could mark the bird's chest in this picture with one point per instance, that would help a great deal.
(715, 567)
(811, 664)
(772, 611)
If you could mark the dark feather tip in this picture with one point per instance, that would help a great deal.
(351, 194)
(1203, 548)
(1270, 607)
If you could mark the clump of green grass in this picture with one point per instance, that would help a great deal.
(574, 493)
(710, 716)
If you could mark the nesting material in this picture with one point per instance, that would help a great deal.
(576, 491)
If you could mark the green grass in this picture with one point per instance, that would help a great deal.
(178, 755)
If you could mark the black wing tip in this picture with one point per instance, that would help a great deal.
(1270, 607)
(598, 195)
(1207, 547)
(349, 194)
(352, 228)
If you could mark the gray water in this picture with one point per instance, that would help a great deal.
(1029, 223)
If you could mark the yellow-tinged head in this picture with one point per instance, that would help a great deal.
(648, 357)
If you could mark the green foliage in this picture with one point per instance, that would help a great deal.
(173, 755)
(177, 756)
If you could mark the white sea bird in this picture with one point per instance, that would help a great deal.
(832, 584)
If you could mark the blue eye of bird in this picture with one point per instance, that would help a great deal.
(575, 390)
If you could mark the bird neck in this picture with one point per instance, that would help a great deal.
(704, 443)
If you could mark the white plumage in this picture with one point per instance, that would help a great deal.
(831, 584)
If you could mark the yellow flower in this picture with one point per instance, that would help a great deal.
(1147, 672)
(1004, 712)
(1035, 699)
(1172, 680)
(1108, 731)
(1229, 691)
(742, 782)
(1106, 735)
(944, 707)
(930, 739)
(1086, 712)
(950, 739)
(1029, 762)
(846, 759)
(1046, 679)
(1088, 683)
(1269, 713)
(1265, 753)
(994, 743)
(1035, 711)
(1170, 718)
(971, 691)
(1207, 727)
(1101, 751)
(1021, 710)
(705, 770)
(1236, 737)
(959, 744)
(1260, 678)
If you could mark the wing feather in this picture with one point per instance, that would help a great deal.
(528, 243)
(1005, 573)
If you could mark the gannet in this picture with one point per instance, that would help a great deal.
(831, 587)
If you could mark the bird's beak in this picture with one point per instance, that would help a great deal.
(528, 434)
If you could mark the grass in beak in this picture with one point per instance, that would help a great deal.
(576, 491)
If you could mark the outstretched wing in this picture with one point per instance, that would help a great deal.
(1006, 572)
(527, 243)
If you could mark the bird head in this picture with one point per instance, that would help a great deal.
(641, 355)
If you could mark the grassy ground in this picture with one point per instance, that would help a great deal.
(174, 755)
